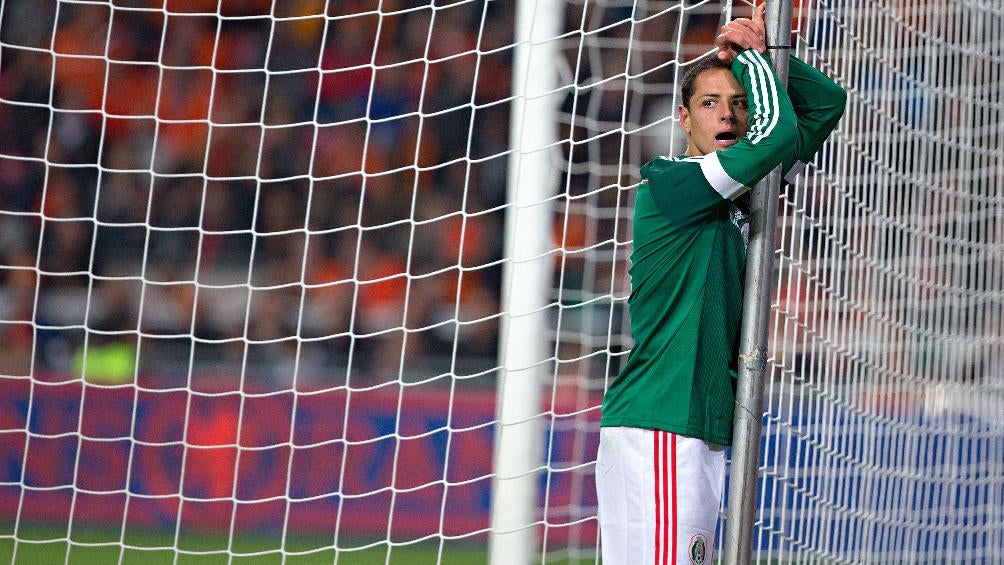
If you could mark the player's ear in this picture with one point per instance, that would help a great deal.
(684, 118)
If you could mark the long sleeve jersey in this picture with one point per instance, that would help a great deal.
(689, 256)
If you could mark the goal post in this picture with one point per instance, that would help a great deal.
(524, 357)
(752, 362)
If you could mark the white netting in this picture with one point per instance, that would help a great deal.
(248, 296)
(251, 264)
(884, 439)
(251, 274)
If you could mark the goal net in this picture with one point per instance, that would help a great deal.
(883, 437)
(345, 280)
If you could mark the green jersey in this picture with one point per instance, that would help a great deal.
(689, 257)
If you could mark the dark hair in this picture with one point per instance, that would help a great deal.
(694, 70)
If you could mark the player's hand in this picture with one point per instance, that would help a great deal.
(741, 34)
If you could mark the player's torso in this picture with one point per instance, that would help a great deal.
(685, 306)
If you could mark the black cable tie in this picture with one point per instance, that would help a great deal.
(779, 47)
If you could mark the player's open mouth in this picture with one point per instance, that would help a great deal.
(726, 139)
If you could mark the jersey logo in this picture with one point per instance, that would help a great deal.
(741, 220)
(698, 549)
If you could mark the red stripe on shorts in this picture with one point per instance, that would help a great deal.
(657, 480)
(664, 463)
(666, 517)
(672, 462)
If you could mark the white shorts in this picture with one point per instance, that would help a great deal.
(659, 495)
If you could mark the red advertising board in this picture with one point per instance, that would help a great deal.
(392, 459)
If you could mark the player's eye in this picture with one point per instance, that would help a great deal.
(708, 103)
(740, 103)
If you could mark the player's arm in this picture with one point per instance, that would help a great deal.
(773, 127)
(818, 103)
(689, 190)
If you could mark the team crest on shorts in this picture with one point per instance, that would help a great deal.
(698, 549)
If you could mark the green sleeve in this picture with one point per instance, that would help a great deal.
(818, 102)
(770, 139)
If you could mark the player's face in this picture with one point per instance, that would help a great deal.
(717, 114)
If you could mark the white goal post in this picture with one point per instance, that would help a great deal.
(526, 280)
(345, 280)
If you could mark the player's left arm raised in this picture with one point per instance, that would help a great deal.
(817, 100)
(819, 103)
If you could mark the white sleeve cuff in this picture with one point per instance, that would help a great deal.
(794, 171)
(720, 180)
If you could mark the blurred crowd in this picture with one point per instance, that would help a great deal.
(180, 176)
(304, 190)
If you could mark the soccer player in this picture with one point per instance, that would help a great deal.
(668, 416)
